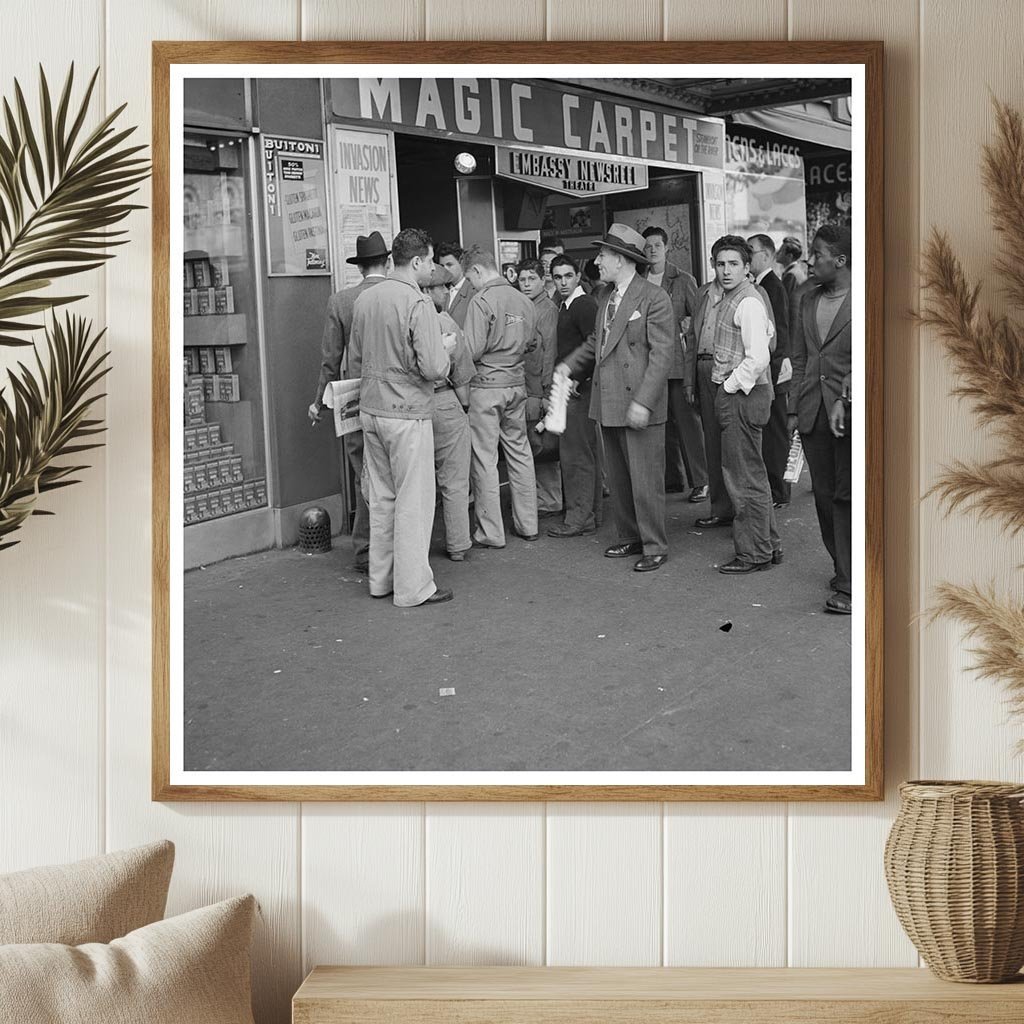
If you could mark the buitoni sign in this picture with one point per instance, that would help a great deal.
(537, 113)
(571, 175)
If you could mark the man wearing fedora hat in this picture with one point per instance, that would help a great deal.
(372, 260)
(630, 354)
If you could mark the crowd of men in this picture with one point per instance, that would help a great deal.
(670, 383)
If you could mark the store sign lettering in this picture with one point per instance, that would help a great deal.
(828, 174)
(504, 110)
(572, 175)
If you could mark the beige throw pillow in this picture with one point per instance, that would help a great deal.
(92, 900)
(190, 969)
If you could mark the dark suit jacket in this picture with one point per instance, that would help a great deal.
(682, 290)
(637, 356)
(779, 300)
(338, 331)
(819, 365)
(457, 310)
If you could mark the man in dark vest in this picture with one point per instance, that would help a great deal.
(372, 260)
(733, 332)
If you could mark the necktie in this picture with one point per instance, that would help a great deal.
(613, 306)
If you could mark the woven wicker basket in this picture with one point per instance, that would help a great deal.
(954, 861)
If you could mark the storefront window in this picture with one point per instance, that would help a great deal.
(225, 461)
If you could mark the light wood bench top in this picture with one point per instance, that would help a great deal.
(626, 995)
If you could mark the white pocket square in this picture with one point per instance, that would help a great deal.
(635, 315)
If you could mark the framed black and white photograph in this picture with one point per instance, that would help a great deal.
(517, 421)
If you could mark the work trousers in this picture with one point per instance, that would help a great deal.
(498, 416)
(636, 478)
(353, 445)
(580, 456)
(741, 419)
(721, 503)
(398, 456)
(686, 461)
(451, 467)
(775, 444)
(829, 460)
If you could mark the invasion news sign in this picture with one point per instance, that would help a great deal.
(531, 112)
(571, 175)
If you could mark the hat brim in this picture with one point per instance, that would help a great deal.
(373, 258)
(632, 254)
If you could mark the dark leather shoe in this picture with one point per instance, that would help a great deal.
(564, 530)
(439, 596)
(699, 494)
(650, 562)
(738, 568)
(624, 550)
(710, 522)
(779, 504)
(777, 557)
(363, 567)
(524, 536)
(457, 556)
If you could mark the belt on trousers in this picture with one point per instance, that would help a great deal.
(705, 355)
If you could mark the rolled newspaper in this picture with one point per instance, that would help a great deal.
(558, 400)
(795, 462)
(343, 397)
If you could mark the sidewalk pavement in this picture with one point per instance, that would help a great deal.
(559, 660)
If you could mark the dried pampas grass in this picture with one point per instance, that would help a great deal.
(987, 353)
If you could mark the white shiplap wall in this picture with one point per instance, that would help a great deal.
(575, 884)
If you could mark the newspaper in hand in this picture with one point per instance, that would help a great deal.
(343, 397)
(795, 462)
(558, 400)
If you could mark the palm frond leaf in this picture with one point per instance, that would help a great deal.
(62, 190)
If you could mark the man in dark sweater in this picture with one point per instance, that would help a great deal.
(578, 451)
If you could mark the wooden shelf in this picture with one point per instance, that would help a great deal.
(626, 995)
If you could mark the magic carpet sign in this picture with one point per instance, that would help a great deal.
(571, 175)
(538, 113)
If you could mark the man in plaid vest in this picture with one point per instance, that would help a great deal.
(733, 333)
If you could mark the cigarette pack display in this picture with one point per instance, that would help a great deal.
(202, 437)
(219, 271)
(224, 471)
(191, 439)
(201, 273)
(189, 480)
(224, 300)
(207, 364)
(190, 510)
(201, 475)
(222, 359)
(236, 469)
(215, 506)
(191, 361)
(260, 487)
(238, 497)
(209, 387)
(190, 277)
(202, 506)
(249, 493)
(213, 475)
(191, 302)
(226, 387)
(206, 301)
(214, 432)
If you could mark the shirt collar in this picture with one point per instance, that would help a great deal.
(621, 287)
(764, 273)
(566, 303)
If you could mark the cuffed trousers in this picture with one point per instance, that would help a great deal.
(399, 460)
(741, 419)
(451, 467)
(636, 478)
(498, 416)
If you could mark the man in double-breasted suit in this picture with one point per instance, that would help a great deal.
(372, 260)
(822, 360)
(630, 354)
(449, 255)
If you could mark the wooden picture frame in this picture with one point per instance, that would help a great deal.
(170, 56)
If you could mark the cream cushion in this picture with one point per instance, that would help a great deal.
(92, 900)
(190, 968)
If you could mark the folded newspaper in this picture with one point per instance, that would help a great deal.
(795, 462)
(343, 397)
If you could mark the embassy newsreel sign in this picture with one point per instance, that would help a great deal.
(571, 175)
(532, 113)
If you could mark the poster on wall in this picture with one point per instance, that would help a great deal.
(749, 665)
(295, 203)
(362, 165)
